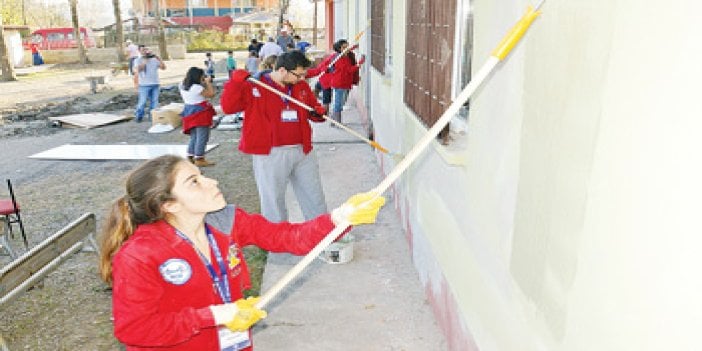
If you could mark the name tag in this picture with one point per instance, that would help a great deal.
(289, 116)
(232, 341)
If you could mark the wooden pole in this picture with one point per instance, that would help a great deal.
(6, 66)
(82, 56)
(119, 31)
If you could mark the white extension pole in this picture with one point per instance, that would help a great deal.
(500, 52)
(356, 39)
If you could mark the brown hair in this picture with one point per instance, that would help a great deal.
(148, 188)
(269, 62)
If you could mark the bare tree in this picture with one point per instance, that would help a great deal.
(119, 31)
(48, 15)
(8, 70)
(314, 23)
(82, 57)
(161, 34)
(11, 11)
(284, 4)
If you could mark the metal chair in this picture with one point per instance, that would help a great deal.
(11, 210)
(4, 243)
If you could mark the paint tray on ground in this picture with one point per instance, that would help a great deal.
(89, 120)
(113, 152)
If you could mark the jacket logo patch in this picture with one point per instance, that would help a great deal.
(255, 92)
(176, 271)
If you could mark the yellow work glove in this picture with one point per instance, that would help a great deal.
(361, 208)
(247, 315)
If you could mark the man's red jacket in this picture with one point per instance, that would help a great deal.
(262, 107)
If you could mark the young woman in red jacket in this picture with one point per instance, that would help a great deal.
(171, 249)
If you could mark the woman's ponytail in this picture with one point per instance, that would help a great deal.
(117, 229)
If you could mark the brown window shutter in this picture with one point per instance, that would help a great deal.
(378, 35)
(429, 57)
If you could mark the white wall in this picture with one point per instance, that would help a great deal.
(341, 13)
(567, 217)
(14, 46)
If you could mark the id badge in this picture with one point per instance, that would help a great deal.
(232, 341)
(289, 116)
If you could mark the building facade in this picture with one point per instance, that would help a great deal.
(204, 8)
(558, 211)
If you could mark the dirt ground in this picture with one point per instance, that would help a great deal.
(72, 310)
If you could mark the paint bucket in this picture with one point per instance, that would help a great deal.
(340, 251)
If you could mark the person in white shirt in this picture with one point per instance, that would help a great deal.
(270, 48)
(146, 79)
(252, 63)
(197, 113)
(132, 51)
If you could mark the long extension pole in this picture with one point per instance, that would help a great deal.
(497, 55)
(356, 40)
(309, 108)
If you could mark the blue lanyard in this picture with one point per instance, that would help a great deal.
(273, 85)
(221, 281)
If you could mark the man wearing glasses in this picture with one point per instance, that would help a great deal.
(278, 135)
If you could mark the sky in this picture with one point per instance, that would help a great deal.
(99, 12)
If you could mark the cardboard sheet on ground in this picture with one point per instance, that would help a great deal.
(113, 152)
(89, 120)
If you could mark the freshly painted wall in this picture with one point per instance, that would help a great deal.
(566, 216)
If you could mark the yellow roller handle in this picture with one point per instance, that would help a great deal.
(515, 34)
(377, 146)
(359, 35)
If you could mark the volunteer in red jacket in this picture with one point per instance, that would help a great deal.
(171, 248)
(278, 135)
(342, 78)
(323, 68)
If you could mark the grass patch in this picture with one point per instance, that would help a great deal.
(256, 261)
(212, 40)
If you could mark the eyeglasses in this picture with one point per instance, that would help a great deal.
(298, 75)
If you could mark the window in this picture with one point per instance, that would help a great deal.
(378, 35)
(429, 58)
(464, 53)
(388, 35)
(178, 13)
(55, 36)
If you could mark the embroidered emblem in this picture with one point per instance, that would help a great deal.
(176, 271)
(255, 92)
(233, 256)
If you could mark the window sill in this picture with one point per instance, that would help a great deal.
(452, 153)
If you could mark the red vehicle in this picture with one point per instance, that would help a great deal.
(59, 38)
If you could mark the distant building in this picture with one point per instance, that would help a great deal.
(208, 14)
(203, 8)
